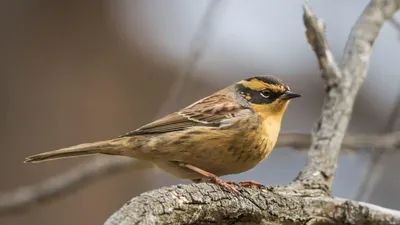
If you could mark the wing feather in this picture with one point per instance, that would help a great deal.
(209, 111)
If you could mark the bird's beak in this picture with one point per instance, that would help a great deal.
(289, 95)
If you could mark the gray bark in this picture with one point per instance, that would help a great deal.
(207, 203)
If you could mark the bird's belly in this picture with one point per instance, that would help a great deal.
(231, 163)
(219, 154)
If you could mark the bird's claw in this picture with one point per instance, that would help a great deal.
(247, 183)
(227, 185)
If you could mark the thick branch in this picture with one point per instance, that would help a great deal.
(208, 204)
(342, 86)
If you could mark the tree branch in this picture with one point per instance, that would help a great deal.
(207, 203)
(25, 197)
(375, 166)
(198, 46)
(395, 23)
(350, 141)
(342, 86)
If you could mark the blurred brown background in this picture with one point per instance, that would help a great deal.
(80, 71)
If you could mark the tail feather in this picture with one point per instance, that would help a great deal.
(102, 147)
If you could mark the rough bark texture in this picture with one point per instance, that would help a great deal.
(207, 203)
(307, 200)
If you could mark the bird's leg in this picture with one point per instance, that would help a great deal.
(212, 177)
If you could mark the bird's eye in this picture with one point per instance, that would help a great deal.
(266, 93)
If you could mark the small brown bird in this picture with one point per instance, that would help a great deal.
(228, 132)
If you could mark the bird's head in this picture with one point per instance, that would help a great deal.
(266, 95)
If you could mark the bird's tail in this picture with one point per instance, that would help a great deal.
(111, 147)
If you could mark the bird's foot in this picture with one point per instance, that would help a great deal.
(218, 181)
(213, 178)
(225, 184)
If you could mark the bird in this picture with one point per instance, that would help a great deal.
(228, 132)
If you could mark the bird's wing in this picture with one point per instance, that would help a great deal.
(209, 111)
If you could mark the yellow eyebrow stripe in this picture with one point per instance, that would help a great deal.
(258, 85)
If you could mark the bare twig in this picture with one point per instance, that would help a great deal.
(350, 141)
(198, 46)
(396, 24)
(375, 168)
(342, 87)
(315, 34)
(24, 197)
